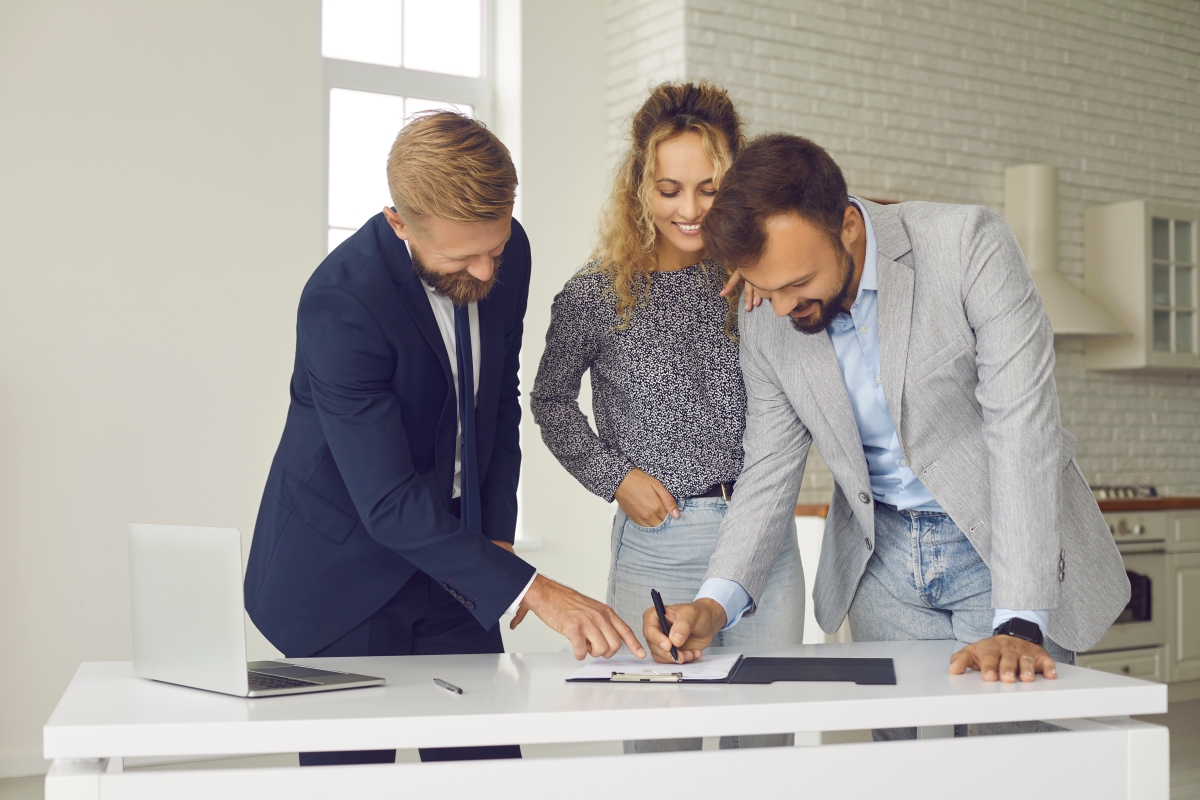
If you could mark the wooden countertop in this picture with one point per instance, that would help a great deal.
(814, 510)
(1147, 504)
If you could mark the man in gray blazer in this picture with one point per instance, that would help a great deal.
(909, 342)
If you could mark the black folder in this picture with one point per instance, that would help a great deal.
(762, 670)
(863, 671)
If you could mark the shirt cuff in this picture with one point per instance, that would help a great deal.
(1040, 616)
(516, 604)
(730, 594)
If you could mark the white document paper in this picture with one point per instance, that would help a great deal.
(708, 668)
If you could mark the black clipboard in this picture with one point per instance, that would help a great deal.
(766, 669)
(863, 671)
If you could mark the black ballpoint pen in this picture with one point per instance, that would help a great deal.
(662, 620)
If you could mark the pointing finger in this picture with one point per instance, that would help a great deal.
(626, 634)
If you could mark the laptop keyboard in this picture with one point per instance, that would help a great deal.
(261, 680)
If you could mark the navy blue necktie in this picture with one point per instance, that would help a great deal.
(472, 515)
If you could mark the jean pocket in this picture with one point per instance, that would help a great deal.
(659, 528)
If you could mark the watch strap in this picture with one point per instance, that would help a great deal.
(1021, 629)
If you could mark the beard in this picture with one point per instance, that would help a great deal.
(459, 287)
(830, 307)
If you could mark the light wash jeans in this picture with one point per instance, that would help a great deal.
(673, 557)
(925, 580)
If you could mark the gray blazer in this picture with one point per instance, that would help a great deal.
(967, 359)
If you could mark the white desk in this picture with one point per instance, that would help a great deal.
(107, 714)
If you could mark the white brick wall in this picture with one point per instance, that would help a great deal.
(932, 99)
(645, 47)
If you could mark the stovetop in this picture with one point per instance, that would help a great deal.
(1124, 492)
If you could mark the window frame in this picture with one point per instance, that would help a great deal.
(479, 93)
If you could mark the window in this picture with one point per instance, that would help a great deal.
(386, 60)
(1174, 285)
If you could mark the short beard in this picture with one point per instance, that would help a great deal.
(459, 287)
(830, 307)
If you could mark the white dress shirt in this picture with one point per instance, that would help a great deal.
(443, 312)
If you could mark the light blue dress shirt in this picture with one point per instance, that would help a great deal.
(855, 340)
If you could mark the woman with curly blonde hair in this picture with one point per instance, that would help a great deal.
(647, 318)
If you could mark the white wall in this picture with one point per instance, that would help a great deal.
(160, 208)
(161, 195)
(932, 99)
(564, 175)
(645, 46)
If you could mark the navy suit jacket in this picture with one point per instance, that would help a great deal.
(358, 496)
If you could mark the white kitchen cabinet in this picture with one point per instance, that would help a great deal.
(1184, 534)
(1183, 613)
(1147, 663)
(1140, 264)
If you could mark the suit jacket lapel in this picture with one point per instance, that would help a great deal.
(895, 295)
(413, 295)
(828, 385)
(416, 302)
(895, 316)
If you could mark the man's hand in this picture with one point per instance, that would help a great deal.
(753, 298)
(1004, 657)
(591, 627)
(645, 500)
(501, 543)
(693, 626)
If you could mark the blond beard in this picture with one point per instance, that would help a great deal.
(459, 287)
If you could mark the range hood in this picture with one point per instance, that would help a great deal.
(1031, 209)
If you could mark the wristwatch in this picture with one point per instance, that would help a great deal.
(1022, 629)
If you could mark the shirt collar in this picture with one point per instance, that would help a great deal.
(870, 274)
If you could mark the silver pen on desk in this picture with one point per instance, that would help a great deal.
(449, 687)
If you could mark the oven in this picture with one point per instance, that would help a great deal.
(1142, 540)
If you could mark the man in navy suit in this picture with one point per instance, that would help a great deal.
(387, 522)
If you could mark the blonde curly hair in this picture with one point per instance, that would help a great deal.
(625, 250)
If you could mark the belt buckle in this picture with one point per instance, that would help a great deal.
(724, 492)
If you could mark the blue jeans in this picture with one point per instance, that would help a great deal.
(673, 557)
(925, 580)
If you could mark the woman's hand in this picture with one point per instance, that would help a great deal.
(644, 500)
(753, 298)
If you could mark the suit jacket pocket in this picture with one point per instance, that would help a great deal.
(317, 512)
(939, 359)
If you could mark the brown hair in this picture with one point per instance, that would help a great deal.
(775, 174)
(626, 246)
(451, 166)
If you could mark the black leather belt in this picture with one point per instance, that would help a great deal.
(724, 490)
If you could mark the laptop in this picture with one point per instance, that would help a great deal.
(185, 587)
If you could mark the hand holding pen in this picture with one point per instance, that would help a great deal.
(662, 620)
(684, 631)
